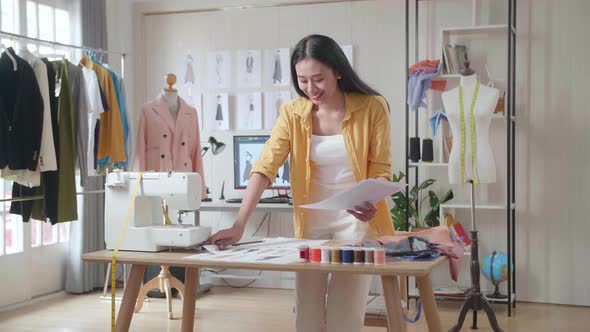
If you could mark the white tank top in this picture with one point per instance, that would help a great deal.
(330, 173)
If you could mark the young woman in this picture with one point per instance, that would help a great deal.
(337, 134)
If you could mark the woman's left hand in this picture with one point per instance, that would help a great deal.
(364, 212)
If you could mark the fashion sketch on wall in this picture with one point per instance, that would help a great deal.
(272, 105)
(276, 64)
(216, 111)
(218, 70)
(249, 111)
(249, 65)
(189, 73)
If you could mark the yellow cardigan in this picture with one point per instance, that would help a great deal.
(366, 133)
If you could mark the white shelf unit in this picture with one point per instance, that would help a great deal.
(487, 47)
(428, 164)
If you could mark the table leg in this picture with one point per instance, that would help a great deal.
(429, 304)
(129, 298)
(191, 282)
(395, 321)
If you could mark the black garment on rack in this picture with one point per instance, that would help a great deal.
(21, 116)
(47, 207)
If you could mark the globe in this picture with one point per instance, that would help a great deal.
(494, 267)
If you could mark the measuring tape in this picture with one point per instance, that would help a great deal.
(472, 132)
(114, 257)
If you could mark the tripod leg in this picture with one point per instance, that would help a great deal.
(474, 322)
(491, 315)
(464, 309)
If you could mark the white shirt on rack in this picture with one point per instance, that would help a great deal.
(95, 108)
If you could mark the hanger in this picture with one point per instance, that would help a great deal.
(14, 64)
(170, 80)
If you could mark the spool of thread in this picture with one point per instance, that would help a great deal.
(304, 253)
(359, 255)
(415, 149)
(369, 256)
(427, 150)
(379, 256)
(336, 255)
(347, 255)
(316, 254)
(326, 255)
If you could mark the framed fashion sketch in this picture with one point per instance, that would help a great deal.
(277, 71)
(272, 105)
(249, 111)
(216, 111)
(249, 66)
(219, 70)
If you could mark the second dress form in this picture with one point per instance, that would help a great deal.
(483, 169)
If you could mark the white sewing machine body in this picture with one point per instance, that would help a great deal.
(146, 231)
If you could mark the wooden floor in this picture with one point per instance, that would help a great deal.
(251, 309)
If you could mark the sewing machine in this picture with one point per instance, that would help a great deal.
(146, 230)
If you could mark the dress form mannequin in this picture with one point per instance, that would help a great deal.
(165, 281)
(484, 168)
(471, 139)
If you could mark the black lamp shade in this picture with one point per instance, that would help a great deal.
(216, 147)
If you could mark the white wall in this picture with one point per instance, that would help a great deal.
(552, 124)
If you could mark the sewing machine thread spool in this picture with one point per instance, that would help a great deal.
(347, 255)
(379, 256)
(304, 253)
(415, 149)
(336, 255)
(359, 255)
(316, 254)
(427, 150)
(369, 256)
(326, 253)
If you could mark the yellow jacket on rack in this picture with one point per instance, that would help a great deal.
(366, 133)
(111, 142)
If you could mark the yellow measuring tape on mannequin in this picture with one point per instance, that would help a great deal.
(472, 132)
(114, 257)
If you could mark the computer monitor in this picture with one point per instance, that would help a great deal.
(247, 150)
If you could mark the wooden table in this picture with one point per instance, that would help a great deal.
(389, 277)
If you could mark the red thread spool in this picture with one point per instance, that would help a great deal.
(304, 253)
(316, 255)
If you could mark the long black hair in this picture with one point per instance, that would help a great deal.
(326, 50)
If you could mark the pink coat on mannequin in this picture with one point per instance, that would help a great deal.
(166, 145)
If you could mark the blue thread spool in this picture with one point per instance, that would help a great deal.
(347, 255)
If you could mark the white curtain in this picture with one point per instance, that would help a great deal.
(87, 234)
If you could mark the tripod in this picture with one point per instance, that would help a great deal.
(475, 300)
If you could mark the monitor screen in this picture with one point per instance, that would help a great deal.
(247, 150)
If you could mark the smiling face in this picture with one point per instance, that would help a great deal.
(317, 80)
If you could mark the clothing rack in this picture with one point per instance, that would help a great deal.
(58, 44)
(33, 198)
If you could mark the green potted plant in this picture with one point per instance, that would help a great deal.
(422, 216)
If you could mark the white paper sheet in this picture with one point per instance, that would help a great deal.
(370, 190)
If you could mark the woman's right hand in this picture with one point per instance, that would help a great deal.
(227, 237)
